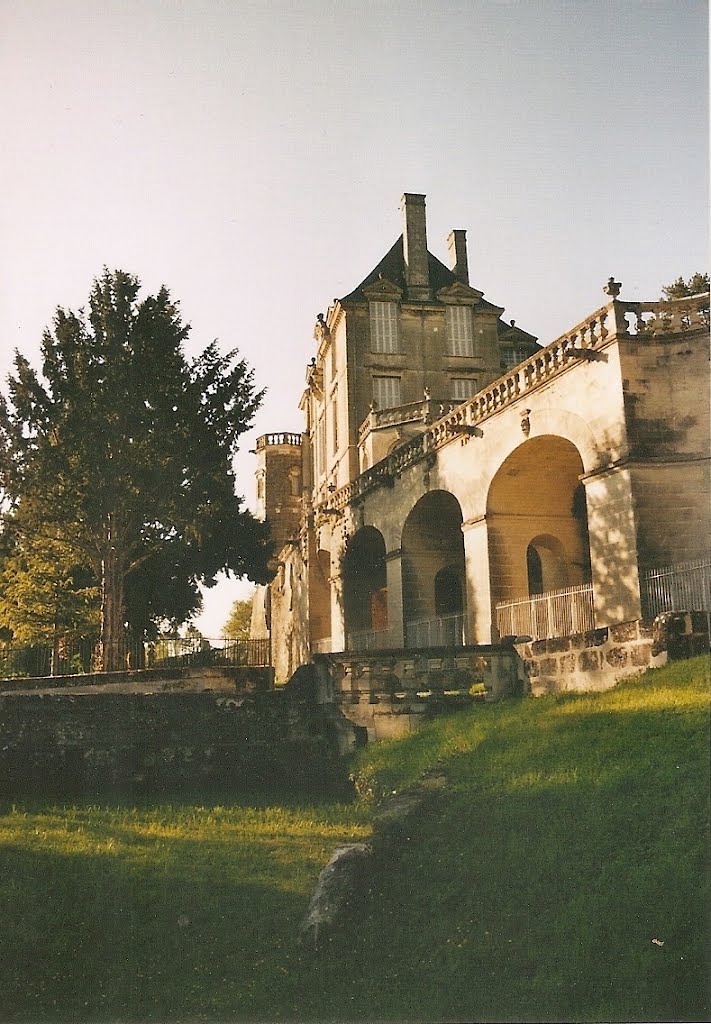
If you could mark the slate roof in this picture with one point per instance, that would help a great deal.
(392, 268)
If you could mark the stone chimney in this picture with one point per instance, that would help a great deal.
(457, 244)
(414, 243)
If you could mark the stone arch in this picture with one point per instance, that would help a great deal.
(365, 582)
(537, 521)
(433, 568)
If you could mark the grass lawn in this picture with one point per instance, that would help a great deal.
(563, 875)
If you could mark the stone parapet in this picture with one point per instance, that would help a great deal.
(391, 692)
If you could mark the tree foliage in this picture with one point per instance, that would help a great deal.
(238, 624)
(697, 284)
(122, 450)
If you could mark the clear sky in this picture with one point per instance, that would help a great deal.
(251, 155)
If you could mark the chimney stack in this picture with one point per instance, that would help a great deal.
(414, 244)
(457, 243)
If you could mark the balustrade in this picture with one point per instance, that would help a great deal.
(282, 437)
(664, 316)
(624, 318)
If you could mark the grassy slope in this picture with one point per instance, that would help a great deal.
(573, 833)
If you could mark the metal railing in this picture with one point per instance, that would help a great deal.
(367, 640)
(685, 586)
(554, 613)
(442, 631)
(81, 656)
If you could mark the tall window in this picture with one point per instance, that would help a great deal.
(334, 421)
(386, 392)
(384, 327)
(460, 331)
(321, 447)
(461, 388)
(334, 358)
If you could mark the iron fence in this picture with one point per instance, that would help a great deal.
(554, 613)
(82, 656)
(685, 586)
(368, 640)
(441, 631)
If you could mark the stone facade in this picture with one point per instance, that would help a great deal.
(441, 495)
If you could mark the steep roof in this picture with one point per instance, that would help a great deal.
(392, 268)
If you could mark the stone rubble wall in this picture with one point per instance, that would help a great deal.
(600, 658)
(95, 742)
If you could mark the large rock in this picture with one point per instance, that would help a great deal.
(339, 886)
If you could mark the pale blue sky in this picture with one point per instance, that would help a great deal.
(252, 155)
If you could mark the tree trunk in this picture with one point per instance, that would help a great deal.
(112, 604)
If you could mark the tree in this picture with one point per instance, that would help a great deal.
(238, 624)
(697, 284)
(123, 450)
(46, 595)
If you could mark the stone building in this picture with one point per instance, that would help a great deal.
(456, 483)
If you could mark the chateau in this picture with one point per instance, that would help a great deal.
(456, 483)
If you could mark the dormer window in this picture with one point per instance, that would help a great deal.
(384, 327)
(460, 331)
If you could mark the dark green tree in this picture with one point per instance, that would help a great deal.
(123, 449)
(697, 284)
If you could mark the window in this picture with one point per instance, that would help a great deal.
(384, 327)
(386, 392)
(334, 358)
(513, 356)
(334, 421)
(320, 448)
(460, 331)
(462, 388)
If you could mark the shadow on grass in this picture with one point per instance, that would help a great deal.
(563, 876)
(191, 912)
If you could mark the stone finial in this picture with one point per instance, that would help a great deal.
(612, 288)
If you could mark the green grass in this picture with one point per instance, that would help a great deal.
(562, 875)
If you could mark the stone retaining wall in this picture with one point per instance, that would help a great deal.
(93, 742)
(600, 658)
(244, 678)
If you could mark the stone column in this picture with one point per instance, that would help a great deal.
(613, 546)
(396, 628)
(479, 612)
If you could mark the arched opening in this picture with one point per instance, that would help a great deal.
(365, 595)
(538, 534)
(433, 572)
(448, 593)
(546, 564)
